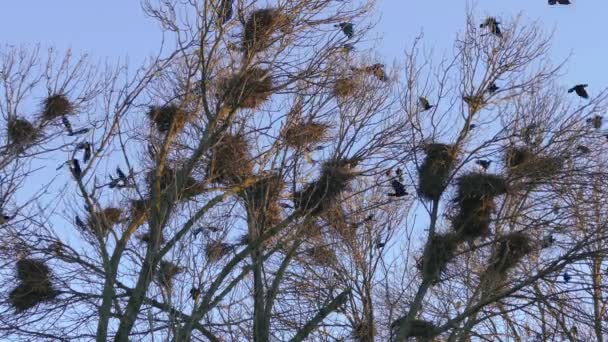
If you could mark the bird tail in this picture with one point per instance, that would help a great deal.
(570, 90)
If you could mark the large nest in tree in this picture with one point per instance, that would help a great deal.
(509, 251)
(217, 250)
(322, 194)
(35, 285)
(230, 161)
(168, 183)
(481, 184)
(147, 238)
(517, 156)
(345, 87)
(166, 272)
(249, 89)
(260, 27)
(522, 163)
(418, 328)
(322, 255)
(56, 106)
(439, 252)
(261, 200)
(335, 218)
(166, 116)
(434, 173)
(363, 331)
(21, 131)
(304, 134)
(139, 208)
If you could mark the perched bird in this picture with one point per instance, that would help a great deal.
(484, 163)
(492, 25)
(399, 174)
(195, 293)
(75, 168)
(370, 217)
(596, 121)
(580, 90)
(492, 88)
(347, 28)
(424, 103)
(87, 150)
(583, 149)
(472, 126)
(67, 124)
(399, 189)
(121, 182)
(379, 242)
(79, 223)
(567, 277)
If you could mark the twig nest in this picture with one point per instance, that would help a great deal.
(434, 172)
(261, 25)
(322, 255)
(166, 116)
(139, 208)
(305, 134)
(166, 272)
(481, 184)
(345, 87)
(421, 329)
(440, 251)
(322, 194)
(112, 215)
(249, 89)
(509, 251)
(363, 331)
(217, 250)
(261, 200)
(21, 131)
(230, 161)
(56, 106)
(35, 285)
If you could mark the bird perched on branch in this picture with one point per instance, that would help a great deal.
(225, 11)
(399, 189)
(580, 90)
(485, 164)
(567, 277)
(79, 223)
(492, 88)
(87, 150)
(424, 104)
(596, 121)
(492, 26)
(195, 293)
(347, 28)
(5, 218)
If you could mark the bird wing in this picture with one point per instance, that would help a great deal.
(423, 102)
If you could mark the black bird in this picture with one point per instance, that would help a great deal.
(121, 181)
(225, 11)
(547, 241)
(580, 90)
(370, 217)
(485, 164)
(379, 242)
(567, 277)
(347, 28)
(583, 149)
(75, 168)
(492, 88)
(492, 25)
(67, 124)
(194, 293)
(399, 189)
(424, 103)
(197, 231)
(596, 121)
(472, 126)
(79, 223)
(561, 2)
(86, 147)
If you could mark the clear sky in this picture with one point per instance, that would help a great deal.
(118, 28)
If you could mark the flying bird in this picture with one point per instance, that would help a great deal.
(424, 103)
(195, 293)
(347, 28)
(580, 90)
(492, 88)
(485, 164)
(596, 121)
(492, 25)
(399, 189)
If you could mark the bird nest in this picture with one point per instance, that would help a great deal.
(21, 131)
(166, 273)
(35, 285)
(305, 134)
(261, 25)
(421, 329)
(474, 217)
(322, 194)
(217, 250)
(510, 250)
(518, 156)
(345, 87)
(112, 215)
(322, 255)
(56, 106)
(363, 331)
(168, 183)
(434, 173)
(249, 89)
(167, 117)
(439, 252)
(481, 184)
(139, 208)
(538, 168)
(475, 103)
(261, 201)
(230, 161)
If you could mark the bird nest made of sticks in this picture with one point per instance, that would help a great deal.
(249, 89)
(335, 218)
(139, 208)
(322, 194)
(230, 161)
(35, 285)
(363, 331)
(217, 250)
(112, 215)
(304, 134)
(21, 131)
(440, 251)
(516, 156)
(261, 200)
(168, 183)
(421, 329)
(434, 172)
(56, 106)
(538, 168)
(166, 272)
(147, 238)
(260, 26)
(509, 251)
(481, 184)
(345, 87)
(322, 255)
(164, 117)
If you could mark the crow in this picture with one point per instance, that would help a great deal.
(79, 223)
(492, 88)
(86, 147)
(580, 90)
(485, 164)
(424, 103)
(195, 293)
(567, 277)
(547, 241)
(399, 189)
(492, 25)
(75, 168)
(347, 28)
(596, 121)
(472, 126)
(379, 242)
(583, 149)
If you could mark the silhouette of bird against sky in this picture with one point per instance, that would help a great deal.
(424, 104)
(87, 150)
(399, 189)
(492, 26)
(580, 90)
(492, 88)
(5, 218)
(561, 2)
(121, 181)
(195, 293)
(79, 223)
(596, 121)
(485, 164)
(347, 28)
(567, 277)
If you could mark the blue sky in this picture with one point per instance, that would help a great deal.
(118, 28)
